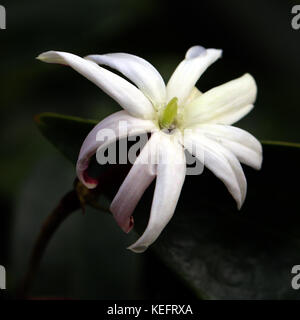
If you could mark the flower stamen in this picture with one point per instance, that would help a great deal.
(169, 114)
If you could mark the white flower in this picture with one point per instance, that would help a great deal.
(150, 106)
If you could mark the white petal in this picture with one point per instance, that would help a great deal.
(127, 95)
(221, 162)
(139, 71)
(184, 78)
(91, 145)
(136, 182)
(240, 142)
(194, 94)
(224, 104)
(171, 171)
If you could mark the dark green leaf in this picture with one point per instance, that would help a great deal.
(218, 251)
(66, 133)
(223, 253)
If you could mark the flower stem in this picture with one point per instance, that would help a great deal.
(68, 204)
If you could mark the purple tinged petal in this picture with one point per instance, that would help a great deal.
(171, 170)
(91, 144)
(137, 181)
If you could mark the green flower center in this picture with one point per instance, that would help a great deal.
(169, 114)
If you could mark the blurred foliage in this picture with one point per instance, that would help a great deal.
(256, 37)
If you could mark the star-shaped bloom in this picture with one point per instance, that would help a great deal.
(179, 117)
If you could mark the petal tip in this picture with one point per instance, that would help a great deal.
(195, 52)
(217, 53)
(52, 57)
(137, 249)
(251, 79)
(198, 51)
(41, 57)
(259, 164)
(128, 226)
(240, 203)
(125, 223)
(88, 181)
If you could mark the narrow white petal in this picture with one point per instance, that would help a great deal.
(171, 171)
(240, 142)
(184, 78)
(127, 95)
(136, 182)
(221, 162)
(139, 71)
(91, 145)
(224, 104)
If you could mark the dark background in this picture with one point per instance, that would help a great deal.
(87, 258)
